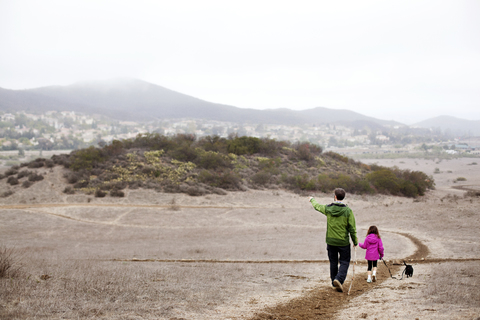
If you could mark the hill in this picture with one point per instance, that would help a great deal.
(132, 99)
(184, 164)
(452, 125)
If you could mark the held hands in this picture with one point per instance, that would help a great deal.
(310, 198)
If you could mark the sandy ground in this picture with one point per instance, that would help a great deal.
(271, 243)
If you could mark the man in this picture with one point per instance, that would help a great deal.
(340, 224)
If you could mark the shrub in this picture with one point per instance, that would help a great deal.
(226, 179)
(27, 184)
(24, 173)
(12, 180)
(184, 152)
(269, 163)
(100, 194)
(104, 187)
(153, 141)
(69, 190)
(244, 145)
(336, 156)
(271, 147)
(261, 178)
(212, 160)
(62, 159)
(35, 177)
(213, 143)
(117, 193)
(149, 170)
(72, 177)
(97, 171)
(385, 181)
(472, 193)
(119, 185)
(361, 186)
(195, 191)
(135, 184)
(38, 163)
(81, 184)
(461, 179)
(11, 172)
(421, 181)
(114, 148)
(86, 158)
(408, 189)
(171, 188)
(307, 151)
(304, 182)
(7, 193)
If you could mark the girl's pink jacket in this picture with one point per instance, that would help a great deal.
(374, 247)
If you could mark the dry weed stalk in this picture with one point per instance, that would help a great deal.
(173, 205)
(10, 265)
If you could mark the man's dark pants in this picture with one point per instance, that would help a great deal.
(333, 255)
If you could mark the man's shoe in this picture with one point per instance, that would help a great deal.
(338, 285)
(369, 280)
(374, 278)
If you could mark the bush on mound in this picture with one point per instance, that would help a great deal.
(117, 193)
(183, 163)
(12, 180)
(100, 194)
(27, 184)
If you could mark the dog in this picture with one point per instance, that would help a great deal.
(408, 270)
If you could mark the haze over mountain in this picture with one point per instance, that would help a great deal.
(132, 99)
(452, 125)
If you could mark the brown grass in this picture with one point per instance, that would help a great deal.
(455, 283)
(78, 289)
(10, 262)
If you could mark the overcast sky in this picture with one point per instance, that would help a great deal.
(400, 60)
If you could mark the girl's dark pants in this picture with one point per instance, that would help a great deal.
(371, 263)
(334, 253)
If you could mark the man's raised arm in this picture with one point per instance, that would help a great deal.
(317, 206)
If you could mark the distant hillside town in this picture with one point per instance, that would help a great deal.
(68, 130)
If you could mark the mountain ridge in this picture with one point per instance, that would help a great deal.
(133, 99)
(451, 125)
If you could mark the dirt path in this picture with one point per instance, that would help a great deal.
(324, 302)
(474, 188)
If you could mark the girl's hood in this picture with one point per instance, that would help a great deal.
(372, 238)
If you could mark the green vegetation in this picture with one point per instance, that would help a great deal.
(212, 164)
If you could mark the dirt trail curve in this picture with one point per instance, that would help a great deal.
(324, 302)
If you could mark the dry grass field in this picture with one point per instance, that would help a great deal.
(245, 255)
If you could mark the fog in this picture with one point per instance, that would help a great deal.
(404, 60)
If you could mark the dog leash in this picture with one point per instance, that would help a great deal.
(389, 270)
(403, 273)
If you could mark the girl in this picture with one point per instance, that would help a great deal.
(373, 244)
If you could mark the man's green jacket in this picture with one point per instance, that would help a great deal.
(340, 223)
